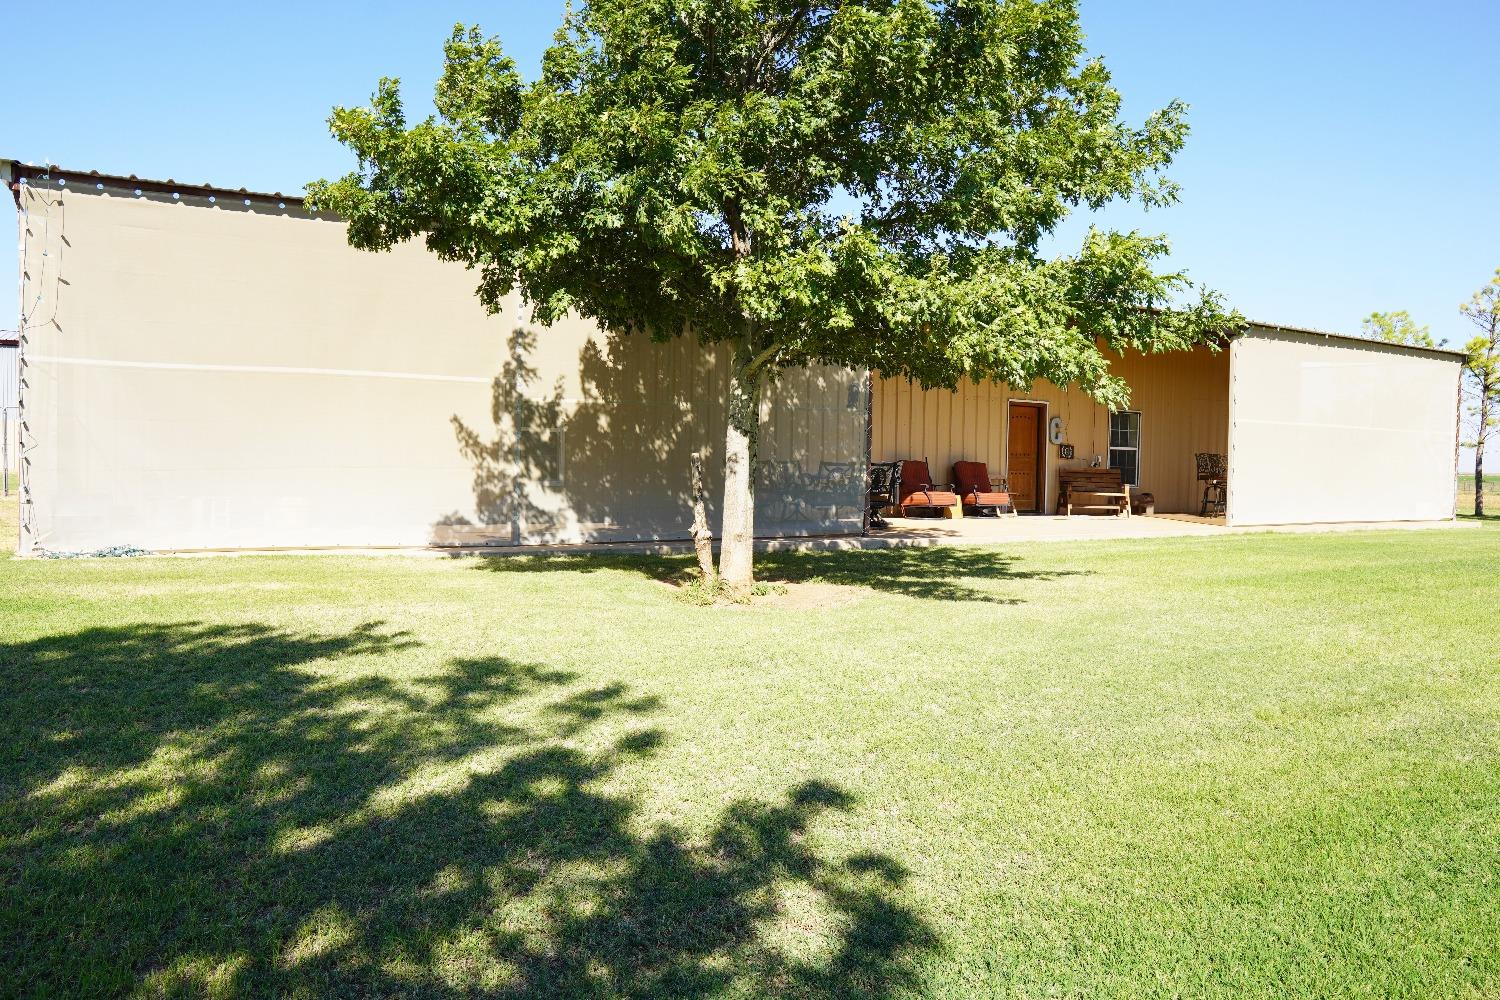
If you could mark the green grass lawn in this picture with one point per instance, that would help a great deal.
(1250, 766)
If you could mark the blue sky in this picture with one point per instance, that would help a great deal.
(1343, 157)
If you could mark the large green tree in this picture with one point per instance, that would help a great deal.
(1398, 328)
(1482, 370)
(866, 184)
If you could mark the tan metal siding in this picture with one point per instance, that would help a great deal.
(1182, 397)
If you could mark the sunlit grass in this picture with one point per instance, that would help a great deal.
(10, 521)
(1466, 493)
(1243, 766)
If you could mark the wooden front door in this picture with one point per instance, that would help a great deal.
(1025, 453)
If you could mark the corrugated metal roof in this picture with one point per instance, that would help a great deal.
(31, 173)
(1359, 340)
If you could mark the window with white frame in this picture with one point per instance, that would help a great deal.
(1125, 445)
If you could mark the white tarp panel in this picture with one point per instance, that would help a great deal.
(1326, 429)
(227, 373)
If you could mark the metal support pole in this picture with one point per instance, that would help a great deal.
(864, 499)
(5, 450)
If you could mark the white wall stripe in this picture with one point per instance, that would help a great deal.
(256, 369)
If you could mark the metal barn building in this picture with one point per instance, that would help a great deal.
(208, 368)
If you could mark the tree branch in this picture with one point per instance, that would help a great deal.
(759, 361)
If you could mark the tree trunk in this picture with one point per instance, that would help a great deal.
(703, 538)
(1479, 463)
(736, 540)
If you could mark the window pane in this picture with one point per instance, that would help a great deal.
(1126, 460)
(1125, 430)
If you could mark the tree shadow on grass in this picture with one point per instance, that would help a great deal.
(189, 810)
(937, 573)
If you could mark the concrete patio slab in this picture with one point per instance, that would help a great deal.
(1047, 528)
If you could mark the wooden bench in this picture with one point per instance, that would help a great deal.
(1103, 485)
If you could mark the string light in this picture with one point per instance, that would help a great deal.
(27, 319)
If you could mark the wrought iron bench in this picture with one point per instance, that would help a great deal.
(780, 488)
(835, 485)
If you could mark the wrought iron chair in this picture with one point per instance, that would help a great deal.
(1213, 473)
(883, 490)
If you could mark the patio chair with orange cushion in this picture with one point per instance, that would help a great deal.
(978, 491)
(919, 492)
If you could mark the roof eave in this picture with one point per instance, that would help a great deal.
(20, 172)
(1348, 337)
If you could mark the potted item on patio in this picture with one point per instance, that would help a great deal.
(918, 492)
(979, 493)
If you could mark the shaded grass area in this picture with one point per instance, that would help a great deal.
(267, 829)
(1246, 766)
(940, 573)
